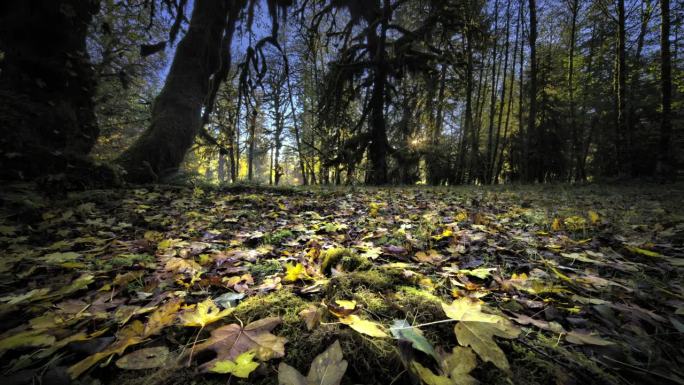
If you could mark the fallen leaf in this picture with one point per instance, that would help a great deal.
(401, 329)
(431, 256)
(164, 316)
(242, 366)
(466, 309)
(203, 314)
(230, 341)
(582, 338)
(130, 335)
(362, 326)
(455, 368)
(311, 316)
(147, 358)
(294, 272)
(229, 299)
(326, 369)
(28, 338)
(478, 335)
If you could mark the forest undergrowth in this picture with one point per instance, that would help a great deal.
(191, 285)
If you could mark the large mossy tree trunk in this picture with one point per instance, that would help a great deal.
(177, 111)
(47, 120)
(379, 145)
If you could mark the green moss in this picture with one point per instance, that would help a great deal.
(265, 268)
(419, 307)
(374, 280)
(349, 260)
(281, 303)
(277, 237)
(131, 259)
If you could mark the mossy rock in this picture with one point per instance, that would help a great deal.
(347, 258)
(281, 303)
(371, 360)
(374, 280)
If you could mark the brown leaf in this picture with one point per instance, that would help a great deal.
(231, 340)
(311, 316)
(326, 369)
(147, 358)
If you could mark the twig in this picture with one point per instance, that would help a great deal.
(674, 380)
(192, 350)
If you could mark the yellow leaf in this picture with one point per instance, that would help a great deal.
(431, 256)
(203, 314)
(466, 309)
(346, 304)
(244, 365)
(575, 223)
(374, 207)
(461, 216)
(593, 217)
(362, 326)
(26, 338)
(294, 272)
(445, 234)
(648, 253)
(162, 317)
(556, 225)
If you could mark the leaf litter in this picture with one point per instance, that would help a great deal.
(165, 284)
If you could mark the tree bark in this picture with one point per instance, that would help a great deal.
(573, 5)
(494, 173)
(176, 113)
(379, 145)
(623, 135)
(665, 164)
(47, 119)
(489, 166)
(533, 168)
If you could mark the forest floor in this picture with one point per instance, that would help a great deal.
(516, 284)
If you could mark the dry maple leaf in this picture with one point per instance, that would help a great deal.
(164, 316)
(326, 369)
(203, 314)
(230, 341)
(478, 335)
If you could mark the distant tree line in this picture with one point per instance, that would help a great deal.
(441, 92)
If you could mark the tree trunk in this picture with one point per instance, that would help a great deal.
(665, 162)
(574, 9)
(524, 150)
(533, 168)
(499, 164)
(221, 171)
(176, 113)
(379, 145)
(469, 126)
(623, 136)
(47, 120)
(492, 101)
(295, 125)
(494, 173)
(252, 140)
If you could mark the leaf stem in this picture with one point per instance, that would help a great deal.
(425, 324)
